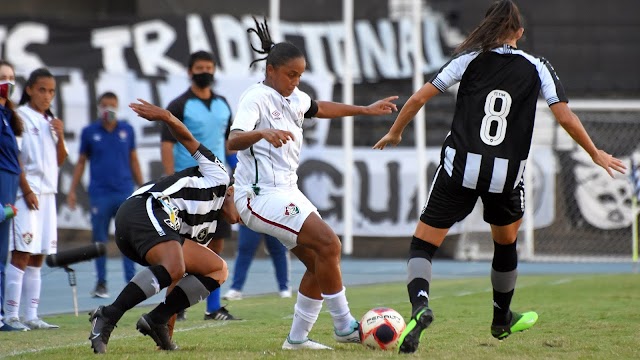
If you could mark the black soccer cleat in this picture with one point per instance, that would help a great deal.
(410, 338)
(100, 331)
(158, 332)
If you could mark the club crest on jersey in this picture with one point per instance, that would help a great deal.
(202, 234)
(173, 223)
(291, 210)
(27, 238)
(276, 115)
(123, 135)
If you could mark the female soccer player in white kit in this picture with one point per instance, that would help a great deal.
(267, 132)
(33, 234)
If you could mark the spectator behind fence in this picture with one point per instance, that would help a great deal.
(34, 233)
(248, 241)
(110, 146)
(10, 127)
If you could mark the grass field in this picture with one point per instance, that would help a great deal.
(581, 317)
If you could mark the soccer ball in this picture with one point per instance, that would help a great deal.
(380, 328)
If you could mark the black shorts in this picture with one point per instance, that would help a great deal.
(140, 226)
(449, 202)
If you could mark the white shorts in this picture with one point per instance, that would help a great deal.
(35, 231)
(275, 212)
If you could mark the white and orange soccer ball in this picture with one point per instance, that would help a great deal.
(381, 328)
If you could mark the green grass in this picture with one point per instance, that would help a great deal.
(581, 317)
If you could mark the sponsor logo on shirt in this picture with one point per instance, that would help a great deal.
(123, 135)
(291, 210)
(97, 137)
(35, 131)
(276, 115)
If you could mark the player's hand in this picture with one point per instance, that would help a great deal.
(58, 127)
(32, 201)
(383, 106)
(147, 110)
(388, 139)
(609, 163)
(277, 137)
(71, 200)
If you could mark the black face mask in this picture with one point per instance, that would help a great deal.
(203, 80)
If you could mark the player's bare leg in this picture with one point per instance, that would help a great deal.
(316, 235)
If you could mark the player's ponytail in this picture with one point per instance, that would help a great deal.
(33, 78)
(15, 122)
(501, 20)
(277, 54)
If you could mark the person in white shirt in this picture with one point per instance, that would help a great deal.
(33, 234)
(267, 133)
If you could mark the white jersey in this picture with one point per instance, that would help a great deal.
(262, 164)
(38, 152)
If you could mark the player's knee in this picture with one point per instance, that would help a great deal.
(224, 273)
(331, 248)
(176, 271)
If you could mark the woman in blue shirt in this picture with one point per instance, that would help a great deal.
(10, 127)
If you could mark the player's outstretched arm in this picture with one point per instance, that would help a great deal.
(330, 110)
(151, 112)
(572, 125)
(408, 112)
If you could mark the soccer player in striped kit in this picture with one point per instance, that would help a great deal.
(166, 225)
(484, 156)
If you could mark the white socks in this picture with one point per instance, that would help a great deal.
(12, 291)
(31, 286)
(306, 311)
(339, 310)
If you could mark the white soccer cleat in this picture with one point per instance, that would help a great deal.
(285, 294)
(36, 324)
(16, 324)
(350, 336)
(307, 344)
(232, 295)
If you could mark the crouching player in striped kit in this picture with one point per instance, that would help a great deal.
(165, 225)
(484, 156)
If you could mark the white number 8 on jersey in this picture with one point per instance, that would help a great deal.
(499, 116)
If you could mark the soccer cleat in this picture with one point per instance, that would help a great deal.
(158, 332)
(519, 322)
(100, 331)
(15, 323)
(350, 336)
(39, 324)
(100, 291)
(285, 294)
(220, 314)
(232, 295)
(307, 344)
(410, 337)
(7, 327)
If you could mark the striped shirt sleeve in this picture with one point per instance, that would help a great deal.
(551, 87)
(451, 73)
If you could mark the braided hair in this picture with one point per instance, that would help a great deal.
(277, 54)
